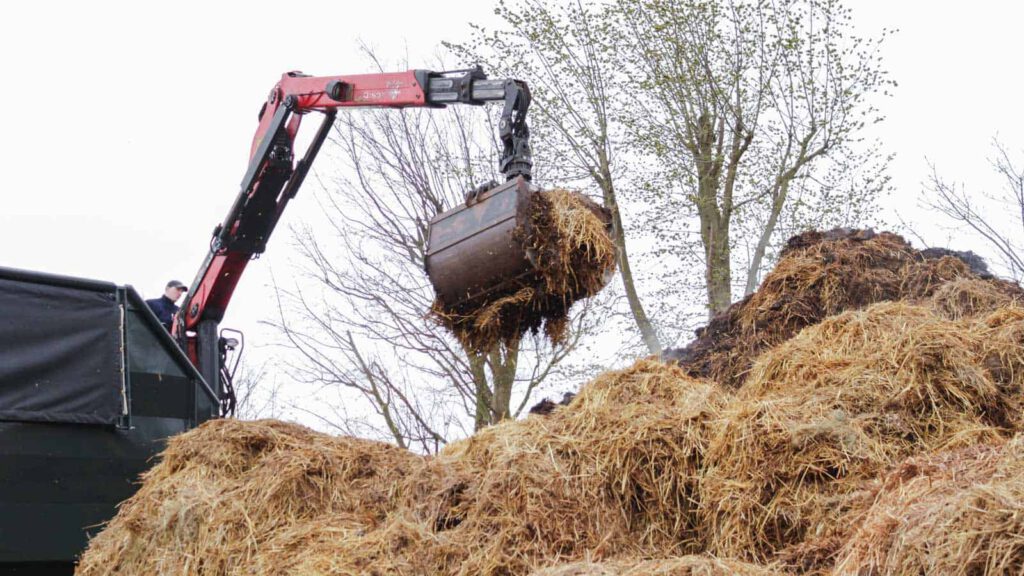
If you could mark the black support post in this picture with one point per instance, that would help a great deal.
(209, 354)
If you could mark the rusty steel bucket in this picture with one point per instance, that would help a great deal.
(471, 252)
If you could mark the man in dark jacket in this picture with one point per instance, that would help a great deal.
(165, 307)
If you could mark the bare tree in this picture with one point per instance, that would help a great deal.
(998, 218)
(356, 312)
(565, 52)
(712, 128)
(257, 393)
(740, 100)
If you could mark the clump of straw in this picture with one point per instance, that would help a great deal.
(971, 297)
(819, 274)
(830, 409)
(227, 493)
(614, 473)
(956, 512)
(681, 566)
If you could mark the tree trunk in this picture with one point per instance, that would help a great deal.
(482, 412)
(714, 221)
(503, 372)
(717, 271)
(647, 330)
(754, 272)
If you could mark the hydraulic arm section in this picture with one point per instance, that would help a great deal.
(274, 177)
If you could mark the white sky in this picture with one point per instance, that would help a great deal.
(128, 124)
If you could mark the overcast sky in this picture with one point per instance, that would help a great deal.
(128, 124)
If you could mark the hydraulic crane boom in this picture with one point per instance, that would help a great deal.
(273, 177)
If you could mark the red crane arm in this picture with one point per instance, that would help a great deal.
(260, 202)
(273, 176)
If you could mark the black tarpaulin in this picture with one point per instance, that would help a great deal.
(60, 354)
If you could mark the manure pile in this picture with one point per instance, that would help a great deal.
(860, 414)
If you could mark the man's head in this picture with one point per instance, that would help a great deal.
(174, 290)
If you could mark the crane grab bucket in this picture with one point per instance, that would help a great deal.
(472, 251)
(514, 259)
